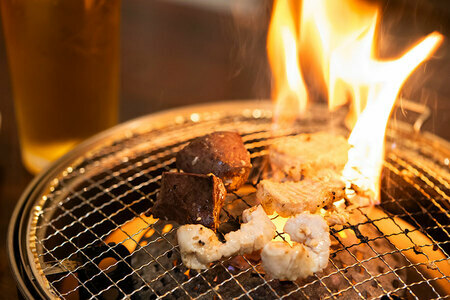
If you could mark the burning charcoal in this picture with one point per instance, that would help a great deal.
(360, 264)
(221, 153)
(318, 155)
(190, 199)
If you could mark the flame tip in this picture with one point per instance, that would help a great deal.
(344, 54)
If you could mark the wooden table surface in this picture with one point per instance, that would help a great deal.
(174, 55)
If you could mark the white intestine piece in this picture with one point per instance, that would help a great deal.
(200, 246)
(308, 255)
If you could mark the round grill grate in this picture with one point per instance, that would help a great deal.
(80, 230)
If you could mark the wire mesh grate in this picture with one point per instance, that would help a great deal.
(90, 238)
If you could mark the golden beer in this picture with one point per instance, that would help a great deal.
(64, 63)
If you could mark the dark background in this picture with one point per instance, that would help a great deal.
(176, 54)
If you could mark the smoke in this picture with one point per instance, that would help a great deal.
(249, 33)
(402, 23)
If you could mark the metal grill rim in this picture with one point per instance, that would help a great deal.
(163, 161)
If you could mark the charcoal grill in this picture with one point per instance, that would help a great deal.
(80, 229)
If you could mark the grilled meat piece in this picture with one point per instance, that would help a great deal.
(190, 199)
(199, 246)
(256, 231)
(337, 217)
(290, 198)
(308, 255)
(221, 153)
(317, 155)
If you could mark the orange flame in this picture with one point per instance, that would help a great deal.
(326, 25)
(335, 41)
(382, 82)
(289, 90)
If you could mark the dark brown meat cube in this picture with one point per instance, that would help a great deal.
(190, 199)
(221, 153)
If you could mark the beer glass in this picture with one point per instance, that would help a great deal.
(64, 65)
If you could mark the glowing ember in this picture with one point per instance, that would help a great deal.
(135, 229)
(279, 223)
(187, 273)
(335, 41)
(342, 234)
(167, 228)
(106, 263)
(149, 233)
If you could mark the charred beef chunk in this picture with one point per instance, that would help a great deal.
(190, 199)
(221, 153)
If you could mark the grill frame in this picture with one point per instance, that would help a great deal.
(16, 236)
